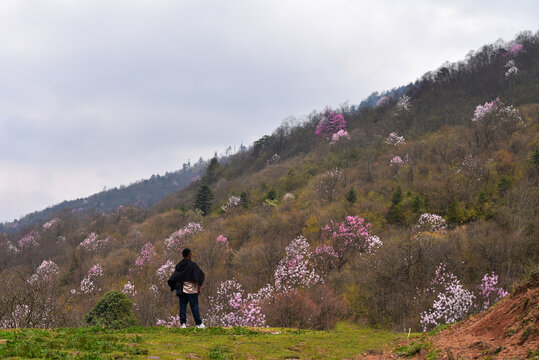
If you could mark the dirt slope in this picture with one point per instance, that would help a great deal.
(508, 330)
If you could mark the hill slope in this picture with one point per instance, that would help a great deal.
(442, 180)
(144, 193)
(506, 331)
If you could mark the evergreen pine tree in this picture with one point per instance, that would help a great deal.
(351, 196)
(244, 200)
(396, 211)
(203, 199)
(453, 214)
(272, 195)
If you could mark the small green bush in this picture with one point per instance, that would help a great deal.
(112, 311)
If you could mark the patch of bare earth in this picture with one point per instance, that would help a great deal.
(508, 330)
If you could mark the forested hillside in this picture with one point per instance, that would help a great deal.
(143, 193)
(409, 214)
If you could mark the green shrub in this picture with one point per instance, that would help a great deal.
(112, 311)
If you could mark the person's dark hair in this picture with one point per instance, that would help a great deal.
(186, 252)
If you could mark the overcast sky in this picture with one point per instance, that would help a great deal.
(103, 92)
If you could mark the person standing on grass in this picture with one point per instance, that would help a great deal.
(187, 280)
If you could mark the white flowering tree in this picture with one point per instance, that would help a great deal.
(452, 302)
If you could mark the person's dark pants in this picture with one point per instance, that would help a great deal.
(193, 302)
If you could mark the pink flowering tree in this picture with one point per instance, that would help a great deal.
(91, 284)
(394, 139)
(30, 240)
(493, 117)
(51, 223)
(325, 258)
(47, 271)
(147, 254)
(452, 303)
(93, 244)
(222, 240)
(515, 49)
(173, 321)
(231, 306)
(296, 269)
(349, 238)
(181, 238)
(165, 270)
(339, 136)
(233, 202)
(129, 289)
(489, 292)
(383, 101)
(330, 123)
(397, 161)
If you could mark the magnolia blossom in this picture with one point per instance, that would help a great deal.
(403, 104)
(394, 139)
(221, 239)
(29, 240)
(93, 244)
(14, 249)
(383, 100)
(289, 197)
(195, 179)
(45, 272)
(49, 224)
(231, 307)
(511, 71)
(495, 113)
(154, 289)
(341, 134)
(164, 272)
(453, 302)
(325, 250)
(173, 321)
(351, 235)
(488, 290)
(146, 254)
(325, 257)
(451, 305)
(515, 49)
(397, 161)
(274, 159)
(296, 268)
(179, 239)
(233, 201)
(129, 289)
(330, 124)
(511, 68)
(483, 110)
(431, 222)
(18, 319)
(88, 285)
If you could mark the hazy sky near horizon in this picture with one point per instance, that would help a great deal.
(103, 93)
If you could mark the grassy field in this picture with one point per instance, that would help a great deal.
(346, 341)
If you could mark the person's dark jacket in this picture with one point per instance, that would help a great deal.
(186, 270)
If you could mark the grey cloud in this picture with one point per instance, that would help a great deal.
(141, 86)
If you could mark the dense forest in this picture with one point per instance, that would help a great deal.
(416, 211)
